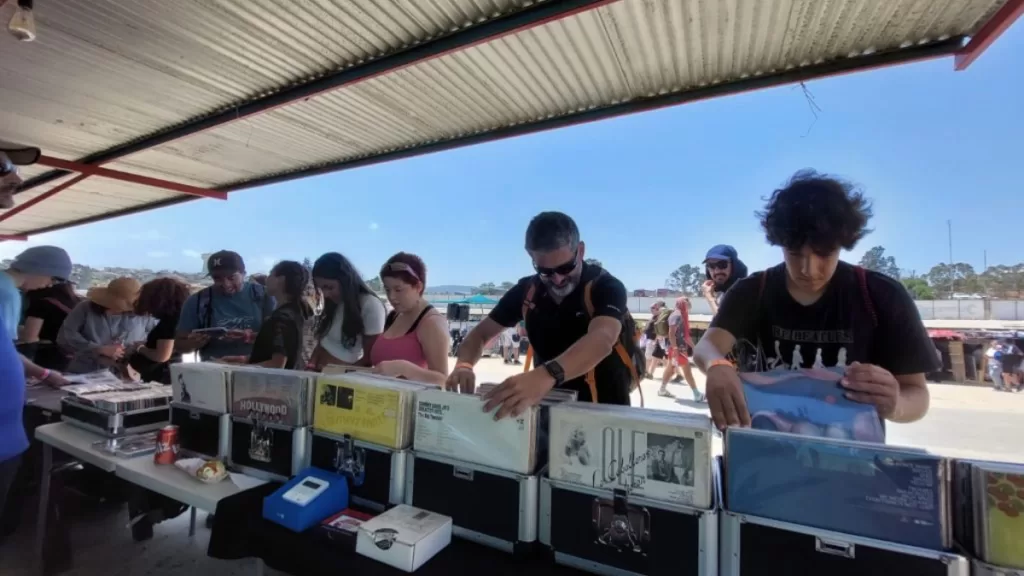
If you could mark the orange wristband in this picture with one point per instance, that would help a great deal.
(465, 365)
(720, 362)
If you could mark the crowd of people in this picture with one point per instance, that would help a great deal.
(811, 310)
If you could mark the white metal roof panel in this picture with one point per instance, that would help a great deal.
(105, 73)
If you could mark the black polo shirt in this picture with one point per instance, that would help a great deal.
(552, 328)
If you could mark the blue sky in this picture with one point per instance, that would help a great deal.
(649, 192)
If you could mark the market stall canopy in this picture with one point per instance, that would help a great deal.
(230, 94)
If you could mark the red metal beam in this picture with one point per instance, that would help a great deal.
(92, 170)
(989, 33)
(15, 237)
(48, 194)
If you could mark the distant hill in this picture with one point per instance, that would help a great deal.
(452, 289)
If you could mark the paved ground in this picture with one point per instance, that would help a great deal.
(963, 421)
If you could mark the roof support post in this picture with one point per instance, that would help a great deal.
(989, 33)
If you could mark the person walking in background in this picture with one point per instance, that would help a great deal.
(279, 341)
(352, 318)
(47, 308)
(722, 269)
(654, 351)
(100, 331)
(414, 344)
(163, 300)
(232, 303)
(680, 343)
(36, 268)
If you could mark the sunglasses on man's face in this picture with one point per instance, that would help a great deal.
(6, 166)
(561, 269)
(719, 265)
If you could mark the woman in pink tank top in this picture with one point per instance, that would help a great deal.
(414, 344)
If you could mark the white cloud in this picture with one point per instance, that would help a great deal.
(158, 254)
(191, 253)
(374, 226)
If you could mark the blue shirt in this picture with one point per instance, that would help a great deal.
(12, 397)
(211, 308)
(10, 305)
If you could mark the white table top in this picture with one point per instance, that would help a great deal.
(78, 443)
(142, 471)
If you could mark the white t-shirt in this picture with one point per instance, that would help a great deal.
(373, 313)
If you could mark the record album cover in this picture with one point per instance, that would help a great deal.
(809, 402)
(201, 384)
(368, 408)
(455, 425)
(1002, 513)
(654, 454)
(892, 494)
(274, 396)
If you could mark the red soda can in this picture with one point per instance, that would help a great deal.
(166, 445)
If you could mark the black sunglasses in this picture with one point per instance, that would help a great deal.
(719, 265)
(7, 166)
(561, 269)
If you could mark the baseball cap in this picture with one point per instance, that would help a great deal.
(225, 261)
(50, 261)
(721, 252)
(20, 155)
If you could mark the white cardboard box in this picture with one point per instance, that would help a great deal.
(404, 537)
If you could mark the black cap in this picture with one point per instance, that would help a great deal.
(225, 261)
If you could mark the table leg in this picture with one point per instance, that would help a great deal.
(192, 523)
(44, 504)
(259, 567)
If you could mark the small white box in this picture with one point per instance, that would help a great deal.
(404, 537)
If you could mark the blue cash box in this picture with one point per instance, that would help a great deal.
(307, 499)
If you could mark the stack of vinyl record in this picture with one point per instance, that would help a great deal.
(888, 493)
(116, 408)
(654, 454)
(366, 407)
(989, 511)
(202, 385)
(552, 398)
(129, 397)
(274, 396)
(455, 426)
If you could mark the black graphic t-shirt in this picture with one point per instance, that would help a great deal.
(875, 322)
(281, 333)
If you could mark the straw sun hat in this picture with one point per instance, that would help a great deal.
(119, 296)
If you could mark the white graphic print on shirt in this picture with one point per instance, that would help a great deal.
(797, 360)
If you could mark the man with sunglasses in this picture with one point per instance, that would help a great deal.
(574, 344)
(233, 304)
(722, 268)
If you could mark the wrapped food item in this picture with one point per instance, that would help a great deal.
(208, 471)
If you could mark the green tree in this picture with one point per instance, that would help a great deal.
(686, 279)
(875, 259)
(506, 286)
(593, 262)
(919, 288)
(375, 284)
(1003, 281)
(487, 288)
(307, 264)
(949, 279)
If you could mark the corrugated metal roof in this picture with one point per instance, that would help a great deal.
(103, 74)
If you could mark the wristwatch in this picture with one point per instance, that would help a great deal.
(555, 369)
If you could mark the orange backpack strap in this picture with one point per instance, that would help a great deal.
(528, 300)
(591, 379)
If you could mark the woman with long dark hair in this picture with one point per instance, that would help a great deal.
(47, 309)
(162, 299)
(353, 316)
(279, 341)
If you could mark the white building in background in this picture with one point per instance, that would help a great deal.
(206, 258)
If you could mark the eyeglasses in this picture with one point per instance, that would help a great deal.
(561, 269)
(718, 265)
(394, 267)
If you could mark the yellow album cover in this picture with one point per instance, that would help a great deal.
(368, 413)
(1005, 518)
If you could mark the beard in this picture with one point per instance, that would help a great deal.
(562, 291)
